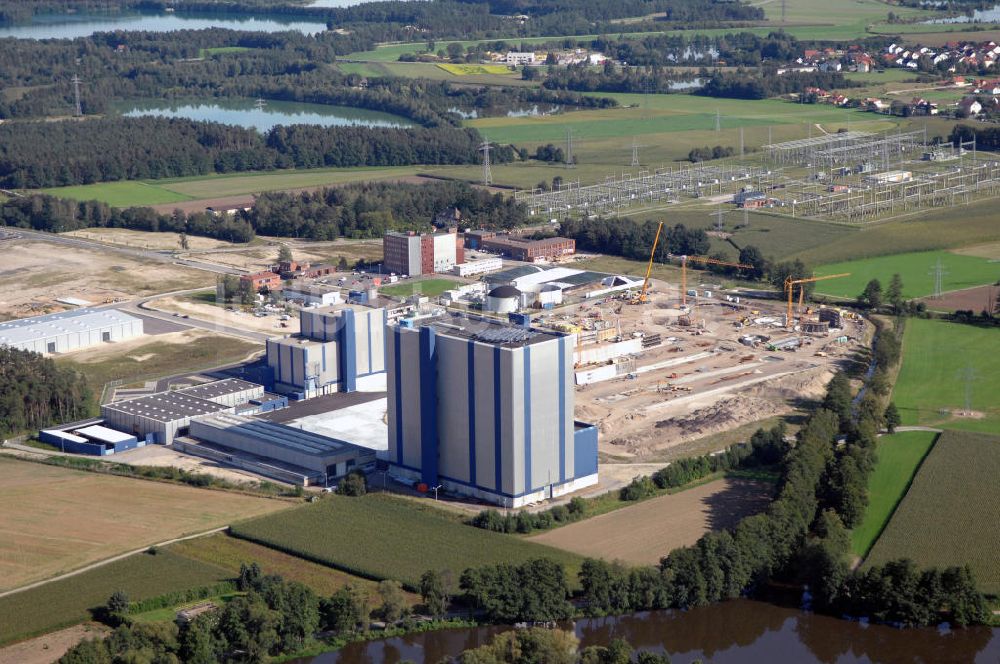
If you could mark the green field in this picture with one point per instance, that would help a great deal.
(899, 456)
(932, 382)
(174, 190)
(468, 70)
(916, 270)
(425, 287)
(381, 537)
(69, 601)
(949, 515)
(120, 194)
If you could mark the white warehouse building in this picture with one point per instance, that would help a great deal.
(69, 330)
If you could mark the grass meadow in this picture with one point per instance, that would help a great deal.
(410, 539)
(425, 287)
(932, 384)
(916, 269)
(949, 515)
(70, 601)
(899, 457)
(120, 194)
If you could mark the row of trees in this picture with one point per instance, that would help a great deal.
(743, 84)
(35, 392)
(59, 215)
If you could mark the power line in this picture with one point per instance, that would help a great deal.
(76, 93)
(487, 173)
(938, 272)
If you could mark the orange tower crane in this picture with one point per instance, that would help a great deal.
(790, 285)
(643, 296)
(700, 259)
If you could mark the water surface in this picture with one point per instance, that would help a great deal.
(246, 113)
(83, 24)
(738, 632)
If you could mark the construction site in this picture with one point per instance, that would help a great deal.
(849, 177)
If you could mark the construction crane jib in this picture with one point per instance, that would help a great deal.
(643, 296)
(790, 285)
(701, 259)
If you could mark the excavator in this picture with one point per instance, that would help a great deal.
(790, 285)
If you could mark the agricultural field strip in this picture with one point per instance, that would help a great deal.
(899, 457)
(948, 516)
(409, 539)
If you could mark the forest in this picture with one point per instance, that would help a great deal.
(742, 84)
(35, 393)
(41, 154)
(634, 240)
(368, 210)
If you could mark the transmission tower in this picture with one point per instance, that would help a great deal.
(76, 94)
(487, 173)
(719, 226)
(260, 103)
(569, 148)
(783, 8)
(718, 121)
(939, 273)
(968, 376)
(635, 153)
(741, 142)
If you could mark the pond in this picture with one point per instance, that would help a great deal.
(246, 113)
(742, 631)
(83, 24)
(991, 15)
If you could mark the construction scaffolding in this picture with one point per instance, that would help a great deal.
(644, 188)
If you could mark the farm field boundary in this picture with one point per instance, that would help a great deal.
(948, 516)
(643, 533)
(899, 459)
(410, 538)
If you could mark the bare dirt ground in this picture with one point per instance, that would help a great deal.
(48, 648)
(215, 314)
(985, 250)
(641, 534)
(702, 381)
(33, 274)
(146, 239)
(970, 299)
(258, 258)
(160, 456)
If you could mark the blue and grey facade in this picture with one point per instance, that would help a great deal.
(486, 410)
(338, 349)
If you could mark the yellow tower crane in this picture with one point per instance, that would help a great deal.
(790, 285)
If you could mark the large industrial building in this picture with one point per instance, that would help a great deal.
(275, 450)
(414, 254)
(486, 410)
(338, 349)
(161, 417)
(69, 330)
(519, 248)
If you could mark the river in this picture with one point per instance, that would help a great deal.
(244, 113)
(742, 631)
(991, 15)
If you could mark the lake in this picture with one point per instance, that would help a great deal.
(244, 113)
(71, 26)
(737, 632)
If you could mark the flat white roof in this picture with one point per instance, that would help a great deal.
(555, 274)
(362, 424)
(14, 332)
(103, 434)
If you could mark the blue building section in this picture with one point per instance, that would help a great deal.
(584, 449)
(428, 408)
(74, 444)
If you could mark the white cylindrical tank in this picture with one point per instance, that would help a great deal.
(550, 294)
(503, 299)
